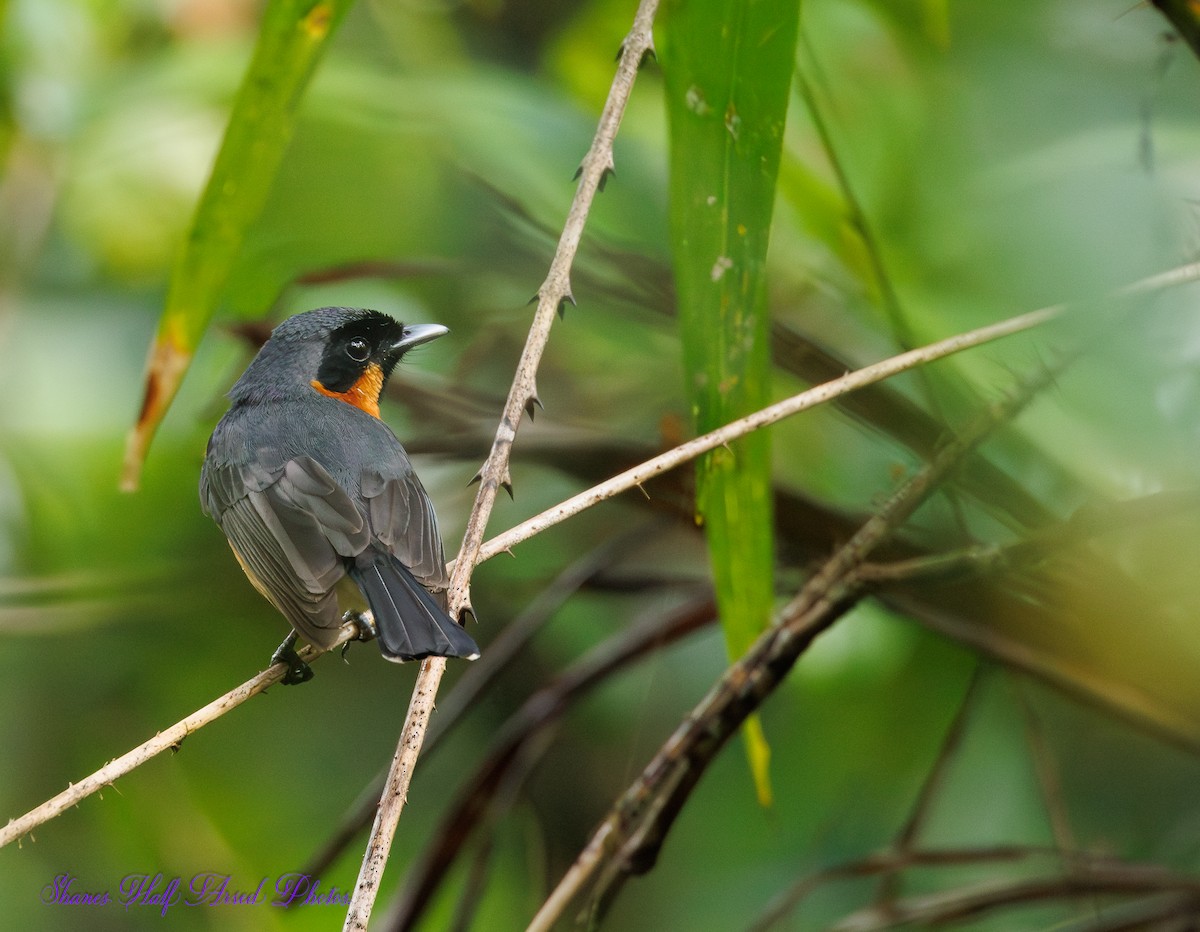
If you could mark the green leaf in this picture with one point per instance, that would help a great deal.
(293, 35)
(728, 68)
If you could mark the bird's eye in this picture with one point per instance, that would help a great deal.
(358, 349)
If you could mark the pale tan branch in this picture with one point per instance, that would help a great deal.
(827, 391)
(171, 738)
(553, 296)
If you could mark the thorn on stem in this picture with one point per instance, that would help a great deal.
(478, 477)
(566, 299)
(609, 172)
(533, 403)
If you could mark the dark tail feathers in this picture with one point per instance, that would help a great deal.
(410, 622)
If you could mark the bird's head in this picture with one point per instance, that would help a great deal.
(344, 353)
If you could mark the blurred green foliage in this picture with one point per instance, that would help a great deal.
(262, 119)
(1005, 157)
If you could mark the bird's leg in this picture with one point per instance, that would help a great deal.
(298, 671)
(366, 629)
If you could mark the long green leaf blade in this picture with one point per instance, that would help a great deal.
(728, 67)
(293, 35)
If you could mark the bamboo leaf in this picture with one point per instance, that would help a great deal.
(728, 67)
(293, 35)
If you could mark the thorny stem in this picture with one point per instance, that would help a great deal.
(170, 738)
(552, 297)
(868, 375)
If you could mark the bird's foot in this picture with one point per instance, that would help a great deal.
(297, 670)
(366, 629)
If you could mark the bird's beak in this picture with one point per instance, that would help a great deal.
(416, 334)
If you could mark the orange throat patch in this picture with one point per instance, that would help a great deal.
(363, 394)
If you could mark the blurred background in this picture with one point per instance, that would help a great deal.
(954, 163)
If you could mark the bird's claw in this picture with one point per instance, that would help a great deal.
(297, 670)
(366, 629)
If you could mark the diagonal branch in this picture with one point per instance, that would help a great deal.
(1096, 880)
(1096, 873)
(170, 738)
(868, 375)
(993, 559)
(552, 297)
(628, 840)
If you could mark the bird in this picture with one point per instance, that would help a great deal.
(317, 497)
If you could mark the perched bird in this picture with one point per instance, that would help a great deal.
(317, 496)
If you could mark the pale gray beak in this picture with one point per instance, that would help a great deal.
(416, 334)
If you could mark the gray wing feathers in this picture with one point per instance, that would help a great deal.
(402, 519)
(292, 535)
(307, 489)
(299, 586)
(295, 529)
